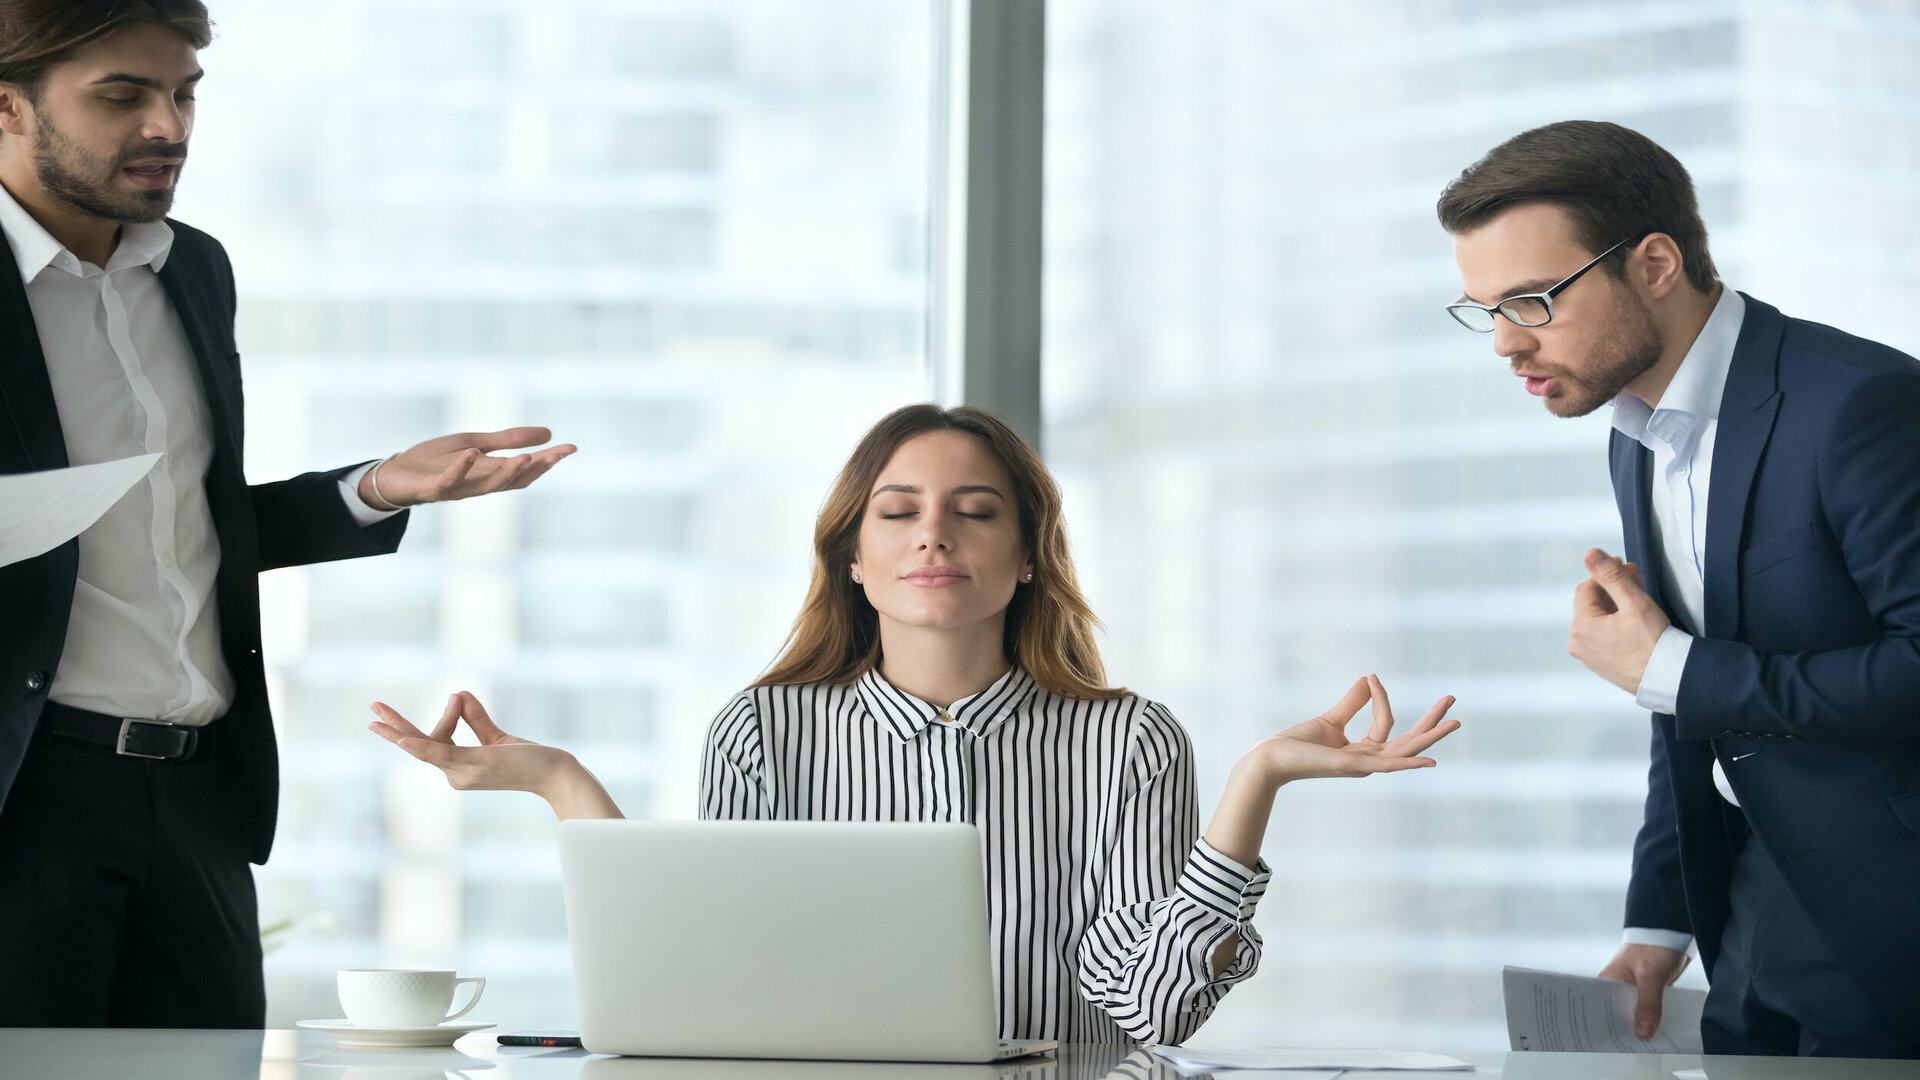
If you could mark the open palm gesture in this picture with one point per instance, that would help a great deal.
(461, 466)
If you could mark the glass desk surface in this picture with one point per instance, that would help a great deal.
(83, 1054)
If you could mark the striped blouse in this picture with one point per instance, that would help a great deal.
(1105, 906)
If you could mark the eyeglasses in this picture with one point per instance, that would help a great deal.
(1527, 309)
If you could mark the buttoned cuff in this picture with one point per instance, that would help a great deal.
(1660, 683)
(362, 513)
(1222, 885)
(1666, 939)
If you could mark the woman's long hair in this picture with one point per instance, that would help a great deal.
(1049, 629)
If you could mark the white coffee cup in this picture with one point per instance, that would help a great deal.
(400, 998)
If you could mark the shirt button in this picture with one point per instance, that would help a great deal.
(36, 681)
(945, 716)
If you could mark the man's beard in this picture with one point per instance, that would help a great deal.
(63, 170)
(1627, 353)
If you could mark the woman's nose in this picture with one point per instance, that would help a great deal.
(933, 531)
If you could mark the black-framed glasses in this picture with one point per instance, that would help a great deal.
(1527, 309)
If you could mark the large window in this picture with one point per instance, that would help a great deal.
(688, 237)
(692, 237)
(1286, 466)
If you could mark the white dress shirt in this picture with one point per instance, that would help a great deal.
(1104, 903)
(1680, 432)
(143, 639)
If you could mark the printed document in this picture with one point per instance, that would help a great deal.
(39, 511)
(1547, 1010)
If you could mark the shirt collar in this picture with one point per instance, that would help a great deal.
(977, 714)
(1701, 379)
(35, 249)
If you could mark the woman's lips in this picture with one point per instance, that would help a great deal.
(934, 577)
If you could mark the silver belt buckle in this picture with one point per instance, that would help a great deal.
(126, 724)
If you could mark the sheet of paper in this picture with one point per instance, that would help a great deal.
(1254, 1074)
(1301, 1063)
(39, 511)
(1548, 1010)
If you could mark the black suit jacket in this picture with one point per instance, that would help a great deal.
(293, 522)
(1806, 681)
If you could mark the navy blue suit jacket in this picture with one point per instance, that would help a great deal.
(261, 526)
(1806, 680)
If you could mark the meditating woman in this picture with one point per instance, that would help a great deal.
(943, 668)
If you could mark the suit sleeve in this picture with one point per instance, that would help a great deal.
(1656, 898)
(303, 520)
(1167, 901)
(1869, 476)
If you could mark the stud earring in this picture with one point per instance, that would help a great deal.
(856, 577)
(1029, 576)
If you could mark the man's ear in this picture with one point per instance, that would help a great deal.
(16, 112)
(1662, 269)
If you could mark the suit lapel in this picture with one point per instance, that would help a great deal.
(1747, 411)
(1632, 466)
(193, 303)
(190, 279)
(26, 393)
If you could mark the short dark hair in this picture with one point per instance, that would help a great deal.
(37, 34)
(1614, 182)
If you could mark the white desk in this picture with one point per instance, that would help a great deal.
(97, 1054)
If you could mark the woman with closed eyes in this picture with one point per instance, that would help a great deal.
(943, 668)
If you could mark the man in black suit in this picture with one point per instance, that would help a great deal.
(138, 773)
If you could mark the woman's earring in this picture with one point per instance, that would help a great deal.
(856, 577)
(1029, 576)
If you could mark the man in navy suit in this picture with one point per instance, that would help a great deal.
(1768, 614)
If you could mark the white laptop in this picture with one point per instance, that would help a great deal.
(750, 939)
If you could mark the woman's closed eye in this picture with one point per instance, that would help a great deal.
(971, 515)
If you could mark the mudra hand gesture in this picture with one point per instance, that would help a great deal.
(1320, 747)
(501, 762)
(460, 466)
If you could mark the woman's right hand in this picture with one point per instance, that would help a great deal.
(501, 761)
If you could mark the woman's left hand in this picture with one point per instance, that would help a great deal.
(1320, 747)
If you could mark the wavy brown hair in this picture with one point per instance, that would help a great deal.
(1049, 631)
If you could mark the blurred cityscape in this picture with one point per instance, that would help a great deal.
(692, 238)
(1286, 467)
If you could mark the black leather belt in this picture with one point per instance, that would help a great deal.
(130, 736)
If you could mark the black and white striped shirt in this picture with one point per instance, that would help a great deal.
(1105, 907)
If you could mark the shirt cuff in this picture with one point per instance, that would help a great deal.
(1222, 885)
(1666, 939)
(1660, 683)
(362, 513)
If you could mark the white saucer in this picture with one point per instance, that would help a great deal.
(351, 1034)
